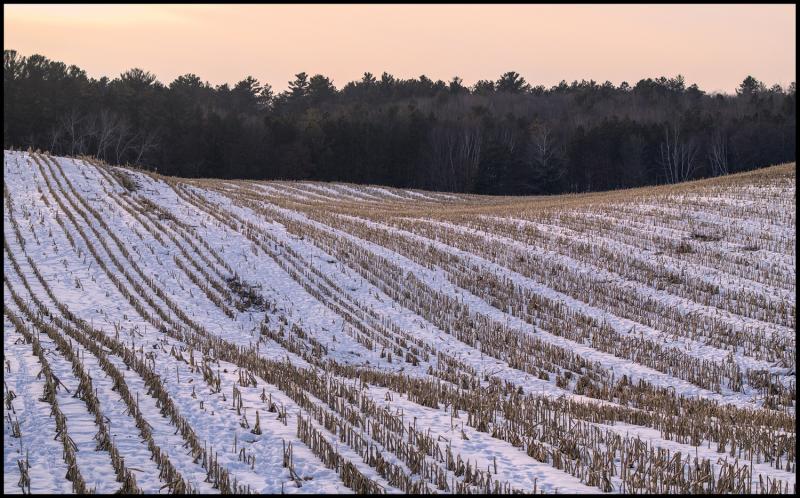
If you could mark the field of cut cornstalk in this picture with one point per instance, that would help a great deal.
(165, 335)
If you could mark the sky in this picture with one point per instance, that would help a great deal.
(715, 46)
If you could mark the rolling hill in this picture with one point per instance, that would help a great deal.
(173, 335)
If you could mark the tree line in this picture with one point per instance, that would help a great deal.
(494, 137)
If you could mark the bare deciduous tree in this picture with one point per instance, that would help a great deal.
(543, 145)
(148, 142)
(456, 154)
(107, 127)
(76, 130)
(677, 154)
(718, 153)
(124, 141)
(507, 138)
(56, 133)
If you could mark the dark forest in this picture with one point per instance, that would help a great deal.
(496, 137)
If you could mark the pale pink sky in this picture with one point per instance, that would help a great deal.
(715, 46)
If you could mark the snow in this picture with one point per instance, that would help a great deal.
(315, 294)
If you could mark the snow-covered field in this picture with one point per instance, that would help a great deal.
(170, 335)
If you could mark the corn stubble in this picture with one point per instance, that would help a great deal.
(687, 283)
